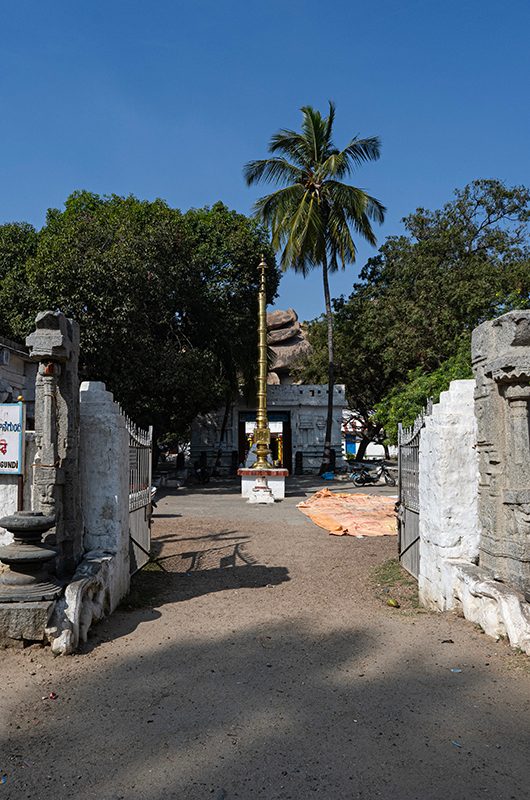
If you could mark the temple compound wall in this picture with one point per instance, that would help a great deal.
(474, 482)
(76, 491)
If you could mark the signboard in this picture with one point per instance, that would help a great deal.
(11, 438)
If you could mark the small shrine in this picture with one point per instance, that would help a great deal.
(296, 412)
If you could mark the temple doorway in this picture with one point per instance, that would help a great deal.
(281, 437)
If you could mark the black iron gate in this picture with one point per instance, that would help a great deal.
(409, 494)
(140, 508)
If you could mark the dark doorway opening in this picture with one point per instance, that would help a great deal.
(281, 437)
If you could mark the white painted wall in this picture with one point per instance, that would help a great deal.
(450, 577)
(104, 480)
(448, 488)
(8, 503)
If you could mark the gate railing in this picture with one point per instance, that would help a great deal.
(140, 474)
(140, 445)
(409, 492)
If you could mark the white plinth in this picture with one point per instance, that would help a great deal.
(275, 481)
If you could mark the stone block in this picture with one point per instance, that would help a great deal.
(24, 622)
(499, 609)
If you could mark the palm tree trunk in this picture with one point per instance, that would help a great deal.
(326, 457)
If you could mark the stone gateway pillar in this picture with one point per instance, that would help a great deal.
(501, 363)
(55, 346)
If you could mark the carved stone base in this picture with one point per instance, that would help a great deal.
(25, 575)
(39, 590)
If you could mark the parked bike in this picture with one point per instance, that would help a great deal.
(369, 475)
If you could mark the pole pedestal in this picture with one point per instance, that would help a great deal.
(259, 484)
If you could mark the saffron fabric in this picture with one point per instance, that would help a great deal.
(344, 514)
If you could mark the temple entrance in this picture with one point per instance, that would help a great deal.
(281, 438)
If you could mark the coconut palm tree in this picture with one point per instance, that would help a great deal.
(313, 214)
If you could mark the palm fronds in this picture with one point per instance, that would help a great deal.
(313, 214)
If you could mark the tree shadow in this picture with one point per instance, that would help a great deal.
(158, 542)
(180, 577)
(279, 711)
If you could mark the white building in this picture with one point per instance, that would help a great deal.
(297, 412)
(297, 417)
(17, 376)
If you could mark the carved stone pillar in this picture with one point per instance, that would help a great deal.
(501, 362)
(55, 345)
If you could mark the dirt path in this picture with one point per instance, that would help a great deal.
(263, 663)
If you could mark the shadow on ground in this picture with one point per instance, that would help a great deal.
(158, 587)
(277, 711)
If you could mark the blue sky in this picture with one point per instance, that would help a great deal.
(169, 99)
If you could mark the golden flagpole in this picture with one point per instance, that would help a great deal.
(262, 434)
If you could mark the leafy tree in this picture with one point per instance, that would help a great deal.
(161, 297)
(425, 291)
(313, 215)
(226, 250)
(408, 399)
(18, 241)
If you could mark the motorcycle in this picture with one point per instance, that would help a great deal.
(371, 475)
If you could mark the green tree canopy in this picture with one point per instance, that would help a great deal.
(426, 290)
(406, 400)
(163, 298)
(18, 241)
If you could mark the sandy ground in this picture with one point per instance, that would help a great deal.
(261, 662)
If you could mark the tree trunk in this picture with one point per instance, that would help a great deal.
(387, 452)
(361, 452)
(326, 457)
(228, 404)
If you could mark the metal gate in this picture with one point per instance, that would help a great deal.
(409, 494)
(140, 461)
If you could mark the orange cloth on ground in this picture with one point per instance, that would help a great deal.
(351, 514)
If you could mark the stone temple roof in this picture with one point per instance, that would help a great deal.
(287, 340)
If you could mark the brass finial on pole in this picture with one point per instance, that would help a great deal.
(262, 433)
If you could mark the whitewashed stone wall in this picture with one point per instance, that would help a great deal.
(102, 577)
(104, 480)
(450, 577)
(448, 488)
(308, 407)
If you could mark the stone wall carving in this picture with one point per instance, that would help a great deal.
(501, 363)
(55, 346)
